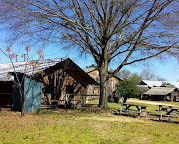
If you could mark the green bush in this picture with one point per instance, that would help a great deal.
(127, 90)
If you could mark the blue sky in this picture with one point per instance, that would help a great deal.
(168, 69)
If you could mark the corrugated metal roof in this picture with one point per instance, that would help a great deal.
(159, 83)
(28, 68)
(159, 91)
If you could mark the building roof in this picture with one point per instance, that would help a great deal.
(47, 66)
(159, 83)
(29, 68)
(143, 88)
(89, 69)
(159, 91)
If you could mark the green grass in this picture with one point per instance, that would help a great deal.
(88, 127)
(151, 105)
(82, 128)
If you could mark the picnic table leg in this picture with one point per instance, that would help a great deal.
(128, 113)
(147, 113)
(139, 109)
(160, 118)
(140, 112)
(160, 107)
(127, 107)
(121, 109)
(138, 115)
(168, 118)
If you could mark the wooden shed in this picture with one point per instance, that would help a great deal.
(162, 94)
(59, 81)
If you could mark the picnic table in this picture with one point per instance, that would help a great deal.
(167, 111)
(128, 108)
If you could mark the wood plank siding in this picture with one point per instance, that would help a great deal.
(95, 90)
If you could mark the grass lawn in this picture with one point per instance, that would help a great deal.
(84, 127)
(151, 105)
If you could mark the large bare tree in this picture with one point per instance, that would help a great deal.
(127, 31)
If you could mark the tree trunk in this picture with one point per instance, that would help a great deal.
(22, 103)
(22, 112)
(103, 73)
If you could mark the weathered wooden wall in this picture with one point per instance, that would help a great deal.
(95, 75)
(59, 84)
(174, 96)
(113, 81)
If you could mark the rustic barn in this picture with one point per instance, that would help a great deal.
(59, 81)
(162, 94)
(94, 73)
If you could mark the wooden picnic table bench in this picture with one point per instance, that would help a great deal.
(138, 109)
(167, 111)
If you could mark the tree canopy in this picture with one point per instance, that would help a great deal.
(128, 31)
(92, 65)
(136, 78)
(126, 75)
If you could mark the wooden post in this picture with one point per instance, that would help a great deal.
(54, 81)
(121, 108)
(83, 101)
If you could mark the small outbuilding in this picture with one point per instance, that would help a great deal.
(162, 94)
